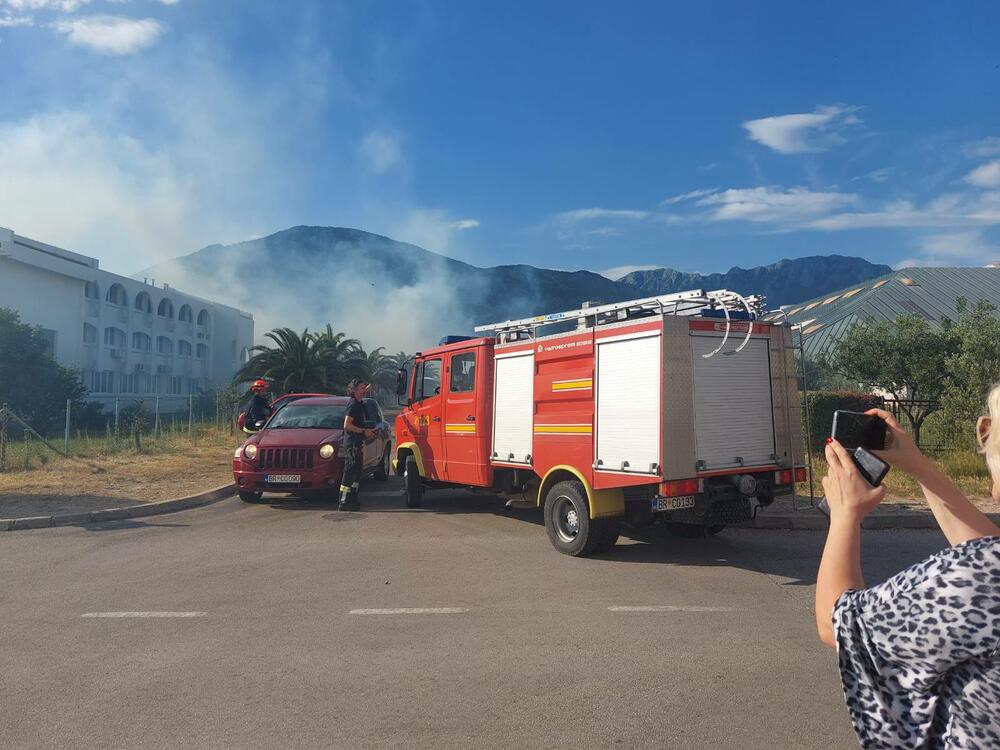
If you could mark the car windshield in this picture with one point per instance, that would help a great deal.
(309, 417)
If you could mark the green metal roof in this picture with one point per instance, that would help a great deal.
(928, 292)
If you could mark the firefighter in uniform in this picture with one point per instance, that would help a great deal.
(355, 434)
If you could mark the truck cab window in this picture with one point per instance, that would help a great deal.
(428, 380)
(463, 372)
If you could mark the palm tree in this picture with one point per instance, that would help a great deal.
(344, 358)
(297, 363)
(381, 372)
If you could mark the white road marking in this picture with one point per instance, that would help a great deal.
(411, 611)
(145, 614)
(669, 608)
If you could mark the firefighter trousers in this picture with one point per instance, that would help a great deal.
(353, 465)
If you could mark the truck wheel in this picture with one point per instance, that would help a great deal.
(250, 497)
(412, 485)
(568, 522)
(382, 472)
(693, 530)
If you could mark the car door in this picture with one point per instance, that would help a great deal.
(427, 405)
(375, 447)
(464, 438)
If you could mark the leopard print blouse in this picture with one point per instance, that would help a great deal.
(920, 654)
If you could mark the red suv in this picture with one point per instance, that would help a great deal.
(298, 451)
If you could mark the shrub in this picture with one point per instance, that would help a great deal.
(821, 405)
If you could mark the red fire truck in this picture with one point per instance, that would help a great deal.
(680, 409)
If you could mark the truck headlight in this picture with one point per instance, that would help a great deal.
(250, 451)
(327, 451)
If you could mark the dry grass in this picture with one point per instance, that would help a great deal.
(105, 471)
(967, 469)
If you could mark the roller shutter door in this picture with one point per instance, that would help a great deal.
(628, 404)
(732, 405)
(513, 408)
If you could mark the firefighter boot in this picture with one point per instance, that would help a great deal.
(348, 499)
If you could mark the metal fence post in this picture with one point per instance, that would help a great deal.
(156, 418)
(3, 438)
(27, 450)
(117, 426)
(69, 406)
(190, 412)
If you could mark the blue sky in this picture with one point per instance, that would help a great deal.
(568, 135)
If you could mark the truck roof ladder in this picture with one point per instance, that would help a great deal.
(690, 302)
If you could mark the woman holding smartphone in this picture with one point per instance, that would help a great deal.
(919, 655)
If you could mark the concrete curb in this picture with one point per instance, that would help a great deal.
(117, 514)
(812, 520)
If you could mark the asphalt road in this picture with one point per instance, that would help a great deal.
(533, 649)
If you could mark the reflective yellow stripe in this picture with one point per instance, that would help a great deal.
(460, 428)
(564, 429)
(573, 385)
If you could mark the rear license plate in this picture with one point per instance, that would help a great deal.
(283, 478)
(673, 503)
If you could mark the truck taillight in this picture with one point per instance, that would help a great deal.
(681, 487)
(785, 476)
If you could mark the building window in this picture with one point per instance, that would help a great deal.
(203, 318)
(202, 351)
(184, 348)
(114, 337)
(141, 342)
(166, 308)
(89, 334)
(143, 303)
(91, 290)
(103, 382)
(164, 345)
(117, 296)
(185, 315)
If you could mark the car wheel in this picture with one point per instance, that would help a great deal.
(568, 523)
(251, 497)
(385, 468)
(412, 484)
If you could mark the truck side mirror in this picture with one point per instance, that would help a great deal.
(401, 381)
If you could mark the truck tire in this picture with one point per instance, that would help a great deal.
(382, 472)
(568, 523)
(251, 497)
(693, 530)
(413, 487)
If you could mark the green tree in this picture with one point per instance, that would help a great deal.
(296, 363)
(905, 358)
(343, 358)
(380, 370)
(31, 382)
(974, 368)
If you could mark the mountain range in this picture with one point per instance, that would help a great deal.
(394, 292)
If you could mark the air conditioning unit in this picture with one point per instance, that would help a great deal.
(140, 367)
(163, 369)
(202, 335)
(117, 354)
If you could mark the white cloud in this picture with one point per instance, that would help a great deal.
(67, 6)
(111, 35)
(382, 151)
(774, 204)
(618, 271)
(803, 133)
(169, 2)
(950, 210)
(9, 21)
(688, 196)
(432, 229)
(579, 215)
(983, 148)
(966, 248)
(876, 175)
(985, 176)
(604, 232)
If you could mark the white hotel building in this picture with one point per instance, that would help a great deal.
(129, 339)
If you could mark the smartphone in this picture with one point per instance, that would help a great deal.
(853, 429)
(872, 468)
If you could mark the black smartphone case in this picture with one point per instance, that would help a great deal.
(872, 468)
